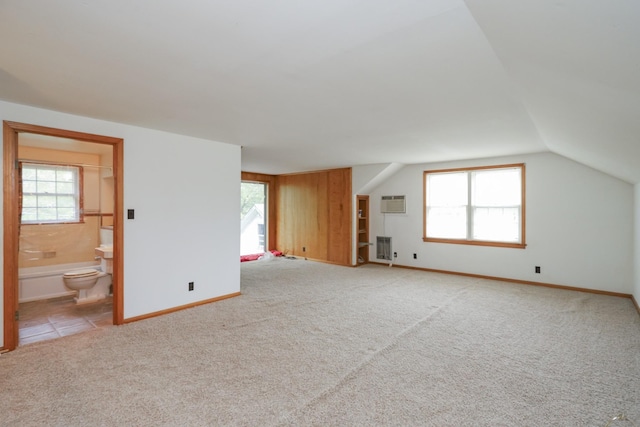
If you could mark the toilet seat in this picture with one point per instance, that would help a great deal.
(89, 272)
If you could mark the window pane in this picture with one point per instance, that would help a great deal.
(28, 186)
(46, 187)
(447, 189)
(28, 173)
(66, 202)
(47, 214)
(47, 201)
(66, 188)
(29, 214)
(496, 224)
(67, 214)
(66, 175)
(29, 201)
(496, 187)
(46, 174)
(447, 222)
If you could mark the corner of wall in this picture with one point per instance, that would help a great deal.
(368, 177)
(364, 180)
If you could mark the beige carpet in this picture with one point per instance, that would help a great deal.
(317, 344)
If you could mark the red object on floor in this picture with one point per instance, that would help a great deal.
(254, 257)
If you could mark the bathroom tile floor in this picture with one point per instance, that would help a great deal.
(59, 317)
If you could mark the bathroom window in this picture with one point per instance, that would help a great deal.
(50, 193)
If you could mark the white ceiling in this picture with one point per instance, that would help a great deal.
(315, 84)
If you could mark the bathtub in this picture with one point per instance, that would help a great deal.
(36, 283)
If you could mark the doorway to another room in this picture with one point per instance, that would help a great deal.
(63, 201)
(67, 199)
(253, 218)
(257, 215)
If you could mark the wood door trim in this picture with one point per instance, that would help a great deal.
(11, 236)
(11, 220)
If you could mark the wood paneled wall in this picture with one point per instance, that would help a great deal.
(314, 215)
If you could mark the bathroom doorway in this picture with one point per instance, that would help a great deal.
(90, 213)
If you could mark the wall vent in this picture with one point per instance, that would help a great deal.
(383, 247)
(393, 204)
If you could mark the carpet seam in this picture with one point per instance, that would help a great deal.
(367, 360)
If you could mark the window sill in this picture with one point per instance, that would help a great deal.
(475, 243)
(53, 223)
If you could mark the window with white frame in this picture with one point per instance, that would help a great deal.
(51, 193)
(480, 206)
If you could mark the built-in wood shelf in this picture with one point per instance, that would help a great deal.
(363, 230)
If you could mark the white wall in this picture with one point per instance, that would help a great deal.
(186, 196)
(361, 176)
(578, 227)
(365, 178)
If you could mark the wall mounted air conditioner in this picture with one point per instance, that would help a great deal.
(393, 204)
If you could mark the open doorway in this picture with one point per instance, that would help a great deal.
(253, 218)
(13, 218)
(66, 230)
(264, 192)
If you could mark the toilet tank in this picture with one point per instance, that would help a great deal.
(106, 235)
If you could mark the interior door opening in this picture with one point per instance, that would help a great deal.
(253, 218)
(12, 216)
(66, 208)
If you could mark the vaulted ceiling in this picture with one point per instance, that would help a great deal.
(315, 84)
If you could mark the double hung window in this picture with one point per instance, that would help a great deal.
(480, 206)
(50, 194)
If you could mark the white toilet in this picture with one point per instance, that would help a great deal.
(92, 284)
(81, 279)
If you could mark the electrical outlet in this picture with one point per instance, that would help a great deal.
(304, 249)
(415, 256)
(537, 269)
(395, 254)
(191, 286)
